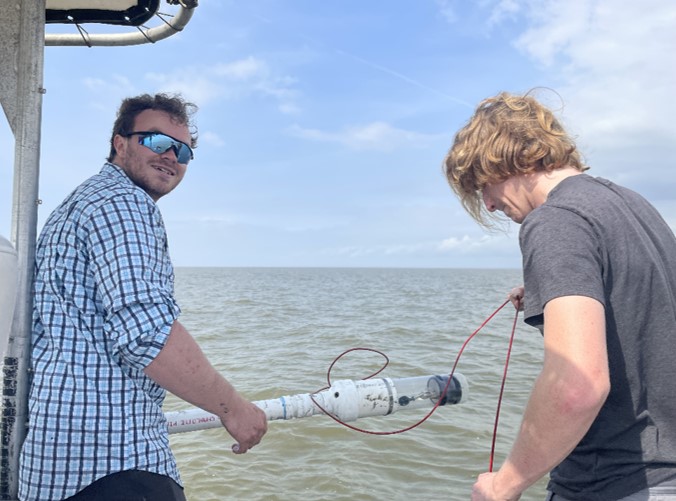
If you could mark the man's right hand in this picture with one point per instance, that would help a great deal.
(246, 423)
(516, 296)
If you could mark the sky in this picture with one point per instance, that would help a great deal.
(323, 125)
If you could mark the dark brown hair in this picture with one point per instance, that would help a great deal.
(180, 110)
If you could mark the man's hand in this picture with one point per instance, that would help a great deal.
(484, 489)
(516, 296)
(246, 423)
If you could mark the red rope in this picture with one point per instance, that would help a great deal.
(450, 379)
(502, 389)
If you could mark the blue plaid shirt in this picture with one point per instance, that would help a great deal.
(104, 306)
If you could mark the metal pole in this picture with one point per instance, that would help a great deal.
(26, 128)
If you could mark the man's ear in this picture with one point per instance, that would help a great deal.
(120, 143)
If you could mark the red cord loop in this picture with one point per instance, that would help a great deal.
(335, 360)
(387, 360)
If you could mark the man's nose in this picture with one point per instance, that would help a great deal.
(488, 202)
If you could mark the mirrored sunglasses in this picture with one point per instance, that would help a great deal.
(160, 143)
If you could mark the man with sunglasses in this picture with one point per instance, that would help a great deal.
(107, 342)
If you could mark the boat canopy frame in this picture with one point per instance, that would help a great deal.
(168, 24)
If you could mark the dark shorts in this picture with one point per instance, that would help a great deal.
(131, 485)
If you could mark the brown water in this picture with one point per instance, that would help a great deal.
(274, 332)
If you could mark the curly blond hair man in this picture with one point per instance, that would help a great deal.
(599, 268)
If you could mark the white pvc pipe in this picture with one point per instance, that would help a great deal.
(346, 400)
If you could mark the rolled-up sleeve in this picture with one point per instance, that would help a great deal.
(134, 277)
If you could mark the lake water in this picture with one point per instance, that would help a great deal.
(275, 331)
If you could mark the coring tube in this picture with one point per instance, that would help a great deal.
(346, 400)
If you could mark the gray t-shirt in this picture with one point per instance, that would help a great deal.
(596, 239)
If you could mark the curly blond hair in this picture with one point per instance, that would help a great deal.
(508, 135)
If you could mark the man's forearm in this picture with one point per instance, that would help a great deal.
(568, 394)
(550, 430)
(183, 369)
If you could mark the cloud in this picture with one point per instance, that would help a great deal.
(611, 61)
(379, 136)
(359, 251)
(211, 138)
(447, 11)
(243, 70)
(115, 83)
(611, 58)
(505, 9)
(486, 245)
(289, 108)
(554, 26)
(113, 86)
(194, 85)
(474, 244)
(230, 81)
